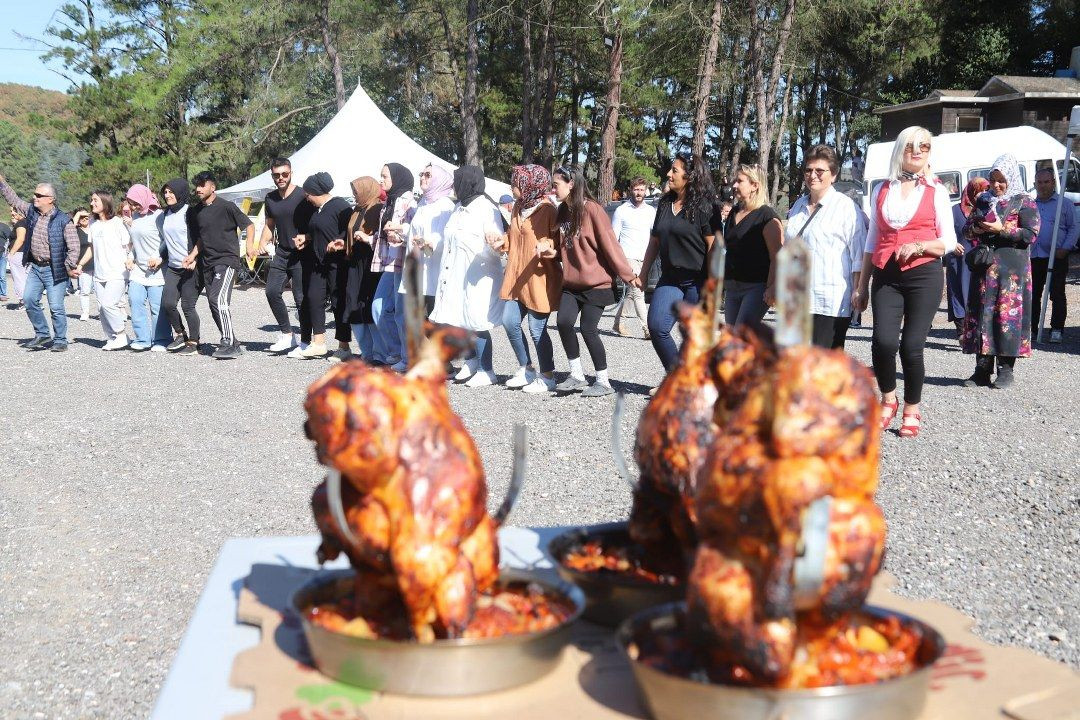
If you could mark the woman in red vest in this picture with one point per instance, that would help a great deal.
(910, 229)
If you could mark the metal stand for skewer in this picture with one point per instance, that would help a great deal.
(1074, 132)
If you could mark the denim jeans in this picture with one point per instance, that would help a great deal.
(513, 313)
(148, 330)
(369, 341)
(384, 312)
(666, 296)
(3, 272)
(744, 302)
(484, 351)
(39, 279)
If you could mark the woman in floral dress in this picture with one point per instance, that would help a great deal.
(998, 322)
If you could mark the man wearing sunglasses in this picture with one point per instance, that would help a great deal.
(50, 260)
(287, 215)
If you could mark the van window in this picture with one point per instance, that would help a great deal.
(985, 173)
(951, 180)
(1072, 183)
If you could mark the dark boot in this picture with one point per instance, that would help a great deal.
(1004, 377)
(984, 368)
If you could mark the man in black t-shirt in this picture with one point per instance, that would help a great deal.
(287, 213)
(212, 227)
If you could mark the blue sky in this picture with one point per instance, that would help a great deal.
(20, 60)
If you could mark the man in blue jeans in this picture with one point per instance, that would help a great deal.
(51, 259)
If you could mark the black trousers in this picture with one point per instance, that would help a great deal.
(218, 281)
(570, 306)
(182, 287)
(322, 281)
(908, 298)
(286, 265)
(1059, 308)
(830, 332)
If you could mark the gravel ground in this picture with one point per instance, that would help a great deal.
(125, 473)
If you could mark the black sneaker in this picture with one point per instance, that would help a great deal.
(1004, 378)
(228, 352)
(59, 347)
(37, 343)
(176, 345)
(190, 348)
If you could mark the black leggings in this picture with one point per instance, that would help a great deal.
(322, 281)
(570, 306)
(183, 287)
(285, 266)
(911, 297)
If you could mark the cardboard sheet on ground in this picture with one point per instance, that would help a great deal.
(972, 680)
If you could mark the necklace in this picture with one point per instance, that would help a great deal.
(906, 176)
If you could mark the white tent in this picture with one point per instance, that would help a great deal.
(357, 141)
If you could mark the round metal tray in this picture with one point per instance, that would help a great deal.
(670, 697)
(439, 669)
(610, 597)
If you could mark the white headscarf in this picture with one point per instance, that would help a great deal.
(1006, 165)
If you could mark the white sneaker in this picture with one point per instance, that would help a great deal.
(157, 348)
(540, 384)
(297, 353)
(467, 370)
(521, 378)
(314, 351)
(117, 343)
(285, 341)
(1055, 337)
(481, 379)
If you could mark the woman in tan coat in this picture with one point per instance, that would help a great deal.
(531, 284)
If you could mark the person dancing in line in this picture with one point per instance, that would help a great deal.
(957, 273)
(467, 295)
(182, 285)
(110, 249)
(85, 281)
(753, 235)
(388, 257)
(324, 258)
(213, 224)
(426, 229)
(910, 230)
(361, 282)
(681, 236)
(532, 285)
(997, 325)
(592, 259)
(146, 281)
(632, 223)
(287, 214)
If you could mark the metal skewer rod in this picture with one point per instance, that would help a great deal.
(617, 456)
(794, 324)
(517, 474)
(717, 262)
(337, 507)
(414, 306)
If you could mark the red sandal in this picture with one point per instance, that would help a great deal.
(911, 430)
(889, 413)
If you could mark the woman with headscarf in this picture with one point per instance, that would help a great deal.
(361, 282)
(531, 284)
(467, 295)
(388, 258)
(997, 325)
(425, 232)
(145, 279)
(910, 230)
(181, 284)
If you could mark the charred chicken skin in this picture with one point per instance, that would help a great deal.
(679, 424)
(807, 429)
(414, 491)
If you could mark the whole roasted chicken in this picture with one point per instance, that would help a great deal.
(801, 448)
(414, 495)
(714, 374)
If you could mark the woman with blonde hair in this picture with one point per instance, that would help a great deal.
(910, 230)
(753, 235)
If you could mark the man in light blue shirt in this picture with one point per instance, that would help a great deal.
(1047, 201)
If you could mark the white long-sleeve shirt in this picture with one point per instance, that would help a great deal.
(898, 211)
(471, 275)
(429, 222)
(111, 245)
(633, 226)
(836, 239)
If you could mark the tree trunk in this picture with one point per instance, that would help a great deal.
(470, 132)
(606, 183)
(744, 112)
(784, 111)
(332, 53)
(706, 70)
(575, 110)
(528, 88)
(551, 88)
(765, 93)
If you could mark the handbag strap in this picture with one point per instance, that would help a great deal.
(811, 218)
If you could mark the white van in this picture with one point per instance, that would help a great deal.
(956, 158)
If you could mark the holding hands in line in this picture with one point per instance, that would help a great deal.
(496, 241)
(361, 236)
(545, 249)
(300, 241)
(335, 245)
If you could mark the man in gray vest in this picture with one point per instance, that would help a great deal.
(50, 260)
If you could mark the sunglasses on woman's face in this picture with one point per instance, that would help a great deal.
(923, 147)
(816, 172)
(425, 174)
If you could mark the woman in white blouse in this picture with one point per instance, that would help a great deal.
(467, 295)
(910, 230)
(836, 238)
(425, 232)
(110, 248)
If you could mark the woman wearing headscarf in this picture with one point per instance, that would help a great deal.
(425, 232)
(910, 230)
(531, 284)
(361, 282)
(957, 274)
(388, 257)
(997, 325)
(181, 285)
(145, 279)
(467, 295)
